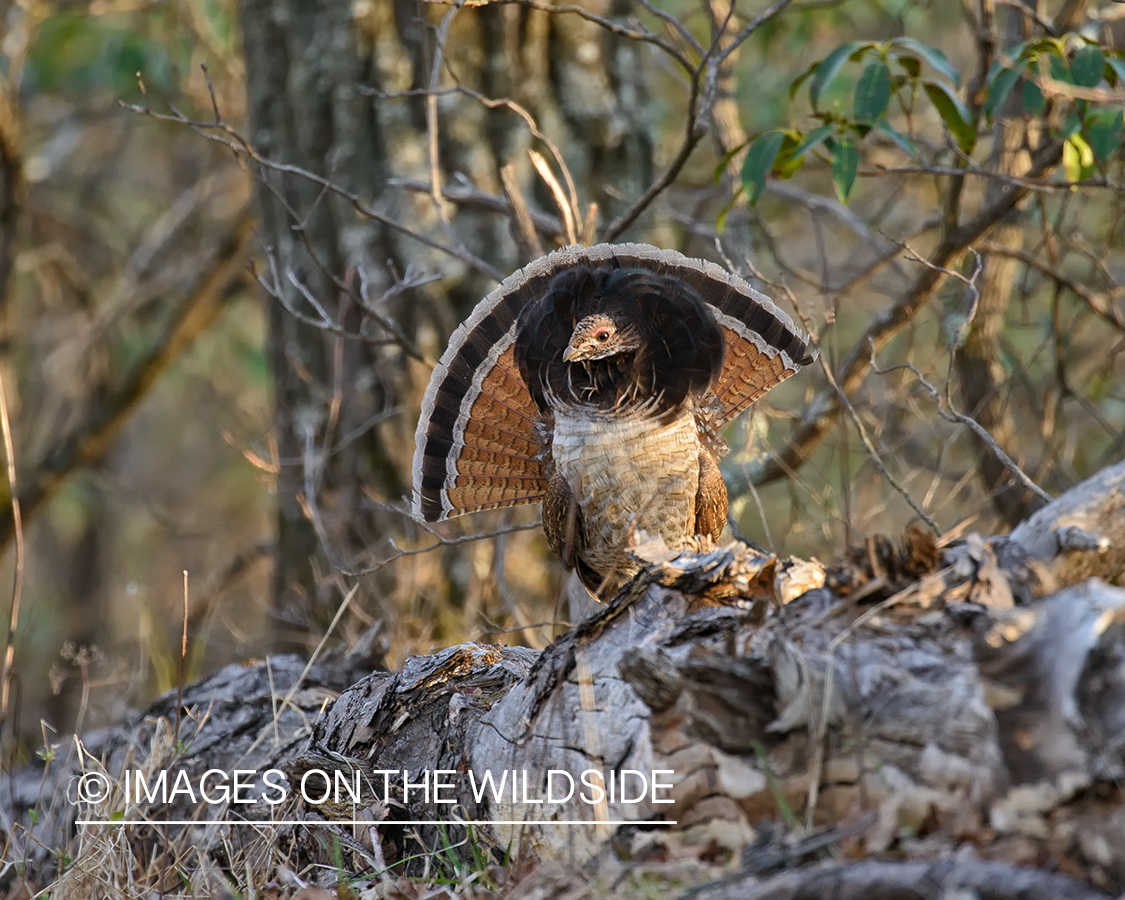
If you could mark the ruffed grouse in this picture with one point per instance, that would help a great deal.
(595, 381)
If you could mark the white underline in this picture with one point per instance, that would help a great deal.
(368, 824)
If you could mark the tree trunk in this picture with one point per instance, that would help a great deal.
(304, 72)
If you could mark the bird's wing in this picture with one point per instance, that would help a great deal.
(479, 440)
(711, 499)
(755, 361)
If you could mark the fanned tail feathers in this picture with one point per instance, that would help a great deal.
(478, 444)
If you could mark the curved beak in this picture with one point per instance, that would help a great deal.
(570, 353)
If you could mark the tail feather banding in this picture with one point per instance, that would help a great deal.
(479, 443)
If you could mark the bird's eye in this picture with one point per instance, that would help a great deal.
(603, 336)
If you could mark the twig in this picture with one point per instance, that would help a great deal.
(695, 132)
(315, 654)
(608, 24)
(523, 227)
(1035, 184)
(570, 224)
(181, 673)
(432, 131)
(324, 323)
(92, 437)
(675, 25)
(17, 576)
(211, 92)
(396, 334)
(440, 541)
(468, 195)
(863, 435)
(953, 416)
(238, 145)
(816, 420)
(753, 25)
(873, 452)
(1099, 303)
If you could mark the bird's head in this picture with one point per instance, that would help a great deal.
(601, 336)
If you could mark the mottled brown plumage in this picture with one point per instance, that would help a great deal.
(596, 381)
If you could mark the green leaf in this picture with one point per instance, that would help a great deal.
(812, 140)
(721, 221)
(1087, 66)
(845, 161)
(1105, 129)
(998, 90)
(829, 68)
(1059, 69)
(1042, 45)
(802, 78)
(759, 161)
(954, 113)
(1078, 158)
(785, 165)
(937, 60)
(725, 161)
(1017, 52)
(1115, 70)
(1031, 98)
(873, 91)
(911, 64)
(1070, 126)
(904, 143)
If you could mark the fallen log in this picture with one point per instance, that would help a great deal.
(965, 716)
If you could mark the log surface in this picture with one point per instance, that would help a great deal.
(960, 711)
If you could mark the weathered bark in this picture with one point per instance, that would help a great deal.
(304, 74)
(965, 708)
(733, 701)
(1081, 534)
(233, 719)
(906, 881)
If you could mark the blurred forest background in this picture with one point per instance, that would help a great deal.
(216, 335)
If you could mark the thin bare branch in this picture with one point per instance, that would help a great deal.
(817, 418)
(523, 227)
(432, 133)
(570, 223)
(440, 541)
(753, 25)
(1099, 302)
(7, 673)
(872, 452)
(951, 415)
(633, 34)
(695, 132)
(91, 438)
(228, 137)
